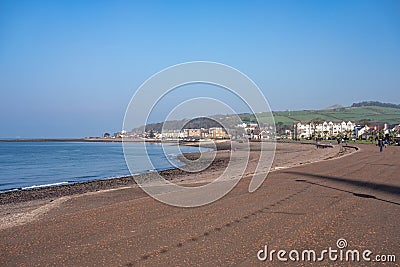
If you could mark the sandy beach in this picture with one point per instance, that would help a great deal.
(311, 198)
(19, 207)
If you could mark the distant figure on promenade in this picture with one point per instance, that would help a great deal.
(386, 143)
(380, 144)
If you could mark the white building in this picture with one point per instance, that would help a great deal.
(360, 130)
(324, 130)
(396, 131)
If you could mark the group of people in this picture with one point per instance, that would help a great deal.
(381, 143)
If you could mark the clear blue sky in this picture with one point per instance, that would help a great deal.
(69, 68)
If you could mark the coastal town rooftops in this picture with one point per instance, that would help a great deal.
(327, 122)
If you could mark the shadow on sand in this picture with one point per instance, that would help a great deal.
(391, 189)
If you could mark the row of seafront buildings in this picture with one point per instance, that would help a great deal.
(252, 131)
(245, 130)
(322, 130)
(350, 130)
(202, 133)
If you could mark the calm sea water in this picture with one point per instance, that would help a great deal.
(36, 164)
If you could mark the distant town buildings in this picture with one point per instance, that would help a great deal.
(250, 131)
(381, 130)
(324, 129)
(253, 131)
(347, 130)
(194, 134)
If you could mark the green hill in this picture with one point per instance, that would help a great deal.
(358, 114)
(285, 119)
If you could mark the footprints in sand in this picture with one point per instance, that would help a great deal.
(217, 230)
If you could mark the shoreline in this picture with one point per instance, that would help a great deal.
(173, 174)
(54, 191)
(102, 139)
(88, 139)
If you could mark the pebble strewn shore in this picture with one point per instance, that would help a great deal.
(286, 155)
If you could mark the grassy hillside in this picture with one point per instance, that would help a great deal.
(372, 113)
(355, 114)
